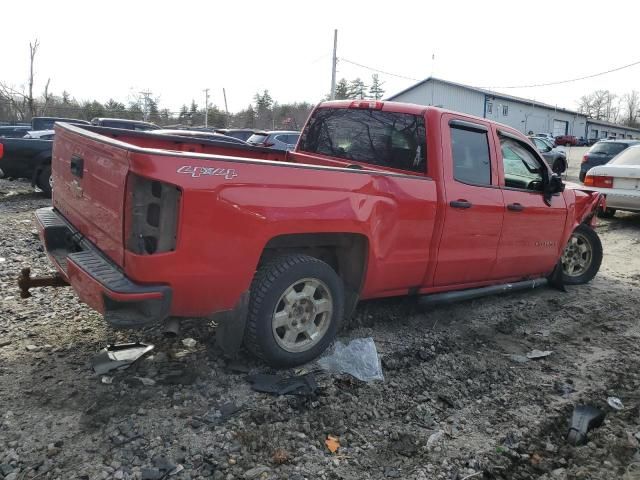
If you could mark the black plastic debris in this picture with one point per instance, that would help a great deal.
(303, 385)
(114, 357)
(585, 418)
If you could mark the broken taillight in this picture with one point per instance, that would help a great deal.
(598, 181)
(151, 215)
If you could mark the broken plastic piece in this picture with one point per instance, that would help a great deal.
(358, 358)
(304, 385)
(536, 354)
(585, 417)
(189, 342)
(114, 357)
(615, 403)
(332, 443)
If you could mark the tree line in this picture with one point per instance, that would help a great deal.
(607, 106)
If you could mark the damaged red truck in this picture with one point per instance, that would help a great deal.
(379, 199)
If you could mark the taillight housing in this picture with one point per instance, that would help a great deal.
(585, 158)
(598, 181)
(151, 215)
(1, 150)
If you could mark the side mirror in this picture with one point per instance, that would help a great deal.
(552, 185)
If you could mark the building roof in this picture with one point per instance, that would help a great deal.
(484, 91)
(612, 125)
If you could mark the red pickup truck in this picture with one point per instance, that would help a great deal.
(378, 199)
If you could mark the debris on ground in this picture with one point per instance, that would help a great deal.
(615, 403)
(189, 342)
(280, 456)
(303, 385)
(332, 443)
(358, 358)
(584, 418)
(119, 356)
(536, 354)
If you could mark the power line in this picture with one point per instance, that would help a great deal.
(377, 70)
(570, 80)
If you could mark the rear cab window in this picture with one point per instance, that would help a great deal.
(470, 153)
(373, 137)
(608, 148)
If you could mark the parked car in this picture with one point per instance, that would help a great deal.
(547, 136)
(241, 133)
(47, 123)
(278, 140)
(582, 142)
(378, 199)
(556, 159)
(619, 181)
(566, 140)
(41, 134)
(124, 124)
(14, 131)
(601, 153)
(592, 141)
(27, 158)
(200, 134)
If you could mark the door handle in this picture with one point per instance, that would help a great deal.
(460, 204)
(515, 207)
(77, 166)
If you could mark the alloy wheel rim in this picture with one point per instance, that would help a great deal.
(577, 256)
(302, 315)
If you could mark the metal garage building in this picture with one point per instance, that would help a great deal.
(520, 113)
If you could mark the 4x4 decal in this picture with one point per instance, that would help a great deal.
(227, 173)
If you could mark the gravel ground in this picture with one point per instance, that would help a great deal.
(456, 402)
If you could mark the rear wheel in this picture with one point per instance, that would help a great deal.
(45, 181)
(582, 256)
(581, 176)
(606, 213)
(295, 309)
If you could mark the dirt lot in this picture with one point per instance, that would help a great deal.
(455, 403)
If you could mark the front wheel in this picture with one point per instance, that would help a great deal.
(582, 256)
(295, 308)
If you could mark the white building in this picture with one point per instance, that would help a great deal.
(520, 113)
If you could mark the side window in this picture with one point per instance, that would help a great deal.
(470, 152)
(386, 139)
(522, 169)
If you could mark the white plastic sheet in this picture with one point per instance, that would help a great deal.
(358, 358)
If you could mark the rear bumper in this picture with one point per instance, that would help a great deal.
(629, 201)
(100, 283)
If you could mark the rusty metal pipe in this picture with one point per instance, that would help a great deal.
(25, 282)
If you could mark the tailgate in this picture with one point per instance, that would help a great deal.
(89, 181)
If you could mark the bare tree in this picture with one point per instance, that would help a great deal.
(23, 102)
(33, 49)
(631, 103)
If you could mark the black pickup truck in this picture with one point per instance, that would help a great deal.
(31, 157)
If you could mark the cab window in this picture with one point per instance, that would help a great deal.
(522, 169)
(470, 152)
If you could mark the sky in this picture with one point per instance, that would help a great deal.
(115, 49)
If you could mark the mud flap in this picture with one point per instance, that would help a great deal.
(231, 326)
(556, 279)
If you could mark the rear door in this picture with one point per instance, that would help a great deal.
(529, 244)
(474, 205)
(89, 181)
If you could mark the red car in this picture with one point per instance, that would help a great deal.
(379, 199)
(567, 140)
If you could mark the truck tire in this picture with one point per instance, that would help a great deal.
(582, 256)
(296, 306)
(606, 213)
(581, 176)
(44, 180)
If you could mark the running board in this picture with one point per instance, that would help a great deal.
(456, 296)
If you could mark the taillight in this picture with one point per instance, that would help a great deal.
(151, 215)
(1, 150)
(598, 181)
(367, 104)
(585, 158)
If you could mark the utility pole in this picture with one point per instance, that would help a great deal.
(334, 64)
(206, 107)
(224, 94)
(145, 113)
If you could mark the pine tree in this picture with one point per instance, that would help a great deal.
(375, 90)
(357, 89)
(342, 89)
